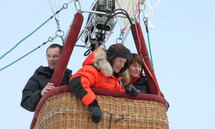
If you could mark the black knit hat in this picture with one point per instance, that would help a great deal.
(118, 50)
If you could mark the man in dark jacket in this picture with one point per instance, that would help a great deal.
(39, 84)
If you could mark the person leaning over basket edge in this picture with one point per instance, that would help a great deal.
(101, 69)
(39, 84)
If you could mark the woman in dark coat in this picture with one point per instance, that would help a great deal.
(136, 76)
(137, 79)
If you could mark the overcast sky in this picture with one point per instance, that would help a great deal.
(182, 45)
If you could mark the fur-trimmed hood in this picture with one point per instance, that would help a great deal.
(98, 58)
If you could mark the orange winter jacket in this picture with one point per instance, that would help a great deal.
(96, 72)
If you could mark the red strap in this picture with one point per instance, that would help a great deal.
(135, 80)
(67, 50)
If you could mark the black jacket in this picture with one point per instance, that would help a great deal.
(142, 85)
(31, 92)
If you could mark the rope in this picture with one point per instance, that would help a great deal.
(150, 51)
(18, 59)
(139, 10)
(25, 38)
(56, 17)
(117, 117)
(147, 30)
(110, 121)
(139, 28)
(63, 7)
(120, 118)
(50, 39)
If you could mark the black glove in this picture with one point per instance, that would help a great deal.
(96, 112)
(131, 90)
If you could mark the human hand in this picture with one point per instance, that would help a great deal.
(96, 112)
(47, 88)
(131, 90)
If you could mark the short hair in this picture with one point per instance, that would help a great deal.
(54, 45)
(136, 58)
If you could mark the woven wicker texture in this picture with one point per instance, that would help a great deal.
(66, 111)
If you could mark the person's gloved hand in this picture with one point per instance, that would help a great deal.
(96, 112)
(131, 90)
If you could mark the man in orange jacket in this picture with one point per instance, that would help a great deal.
(101, 69)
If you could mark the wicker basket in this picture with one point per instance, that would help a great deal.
(66, 111)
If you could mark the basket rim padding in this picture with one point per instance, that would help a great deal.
(97, 91)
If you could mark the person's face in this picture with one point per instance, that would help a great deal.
(118, 64)
(53, 55)
(134, 70)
